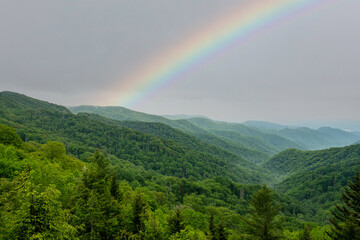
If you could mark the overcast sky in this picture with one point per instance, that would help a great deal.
(72, 52)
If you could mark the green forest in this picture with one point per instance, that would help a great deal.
(90, 176)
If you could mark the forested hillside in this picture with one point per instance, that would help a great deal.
(46, 194)
(276, 142)
(82, 135)
(238, 148)
(315, 178)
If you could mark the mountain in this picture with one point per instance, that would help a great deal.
(120, 113)
(164, 131)
(251, 142)
(347, 125)
(264, 125)
(324, 137)
(41, 121)
(315, 178)
(173, 166)
(356, 133)
(344, 137)
(276, 143)
(106, 197)
(254, 140)
(310, 139)
(183, 116)
(19, 102)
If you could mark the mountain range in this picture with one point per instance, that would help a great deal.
(264, 137)
(307, 181)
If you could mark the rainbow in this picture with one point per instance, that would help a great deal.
(220, 36)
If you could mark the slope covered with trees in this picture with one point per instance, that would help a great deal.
(239, 139)
(47, 194)
(123, 114)
(315, 178)
(82, 135)
(276, 142)
(233, 154)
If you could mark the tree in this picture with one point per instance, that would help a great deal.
(115, 188)
(176, 222)
(217, 231)
(346, 218)
(96, 212)
(306, 233)
(8, 136)
(263, 221)
(220, 232)
(212, 227)
(139, 207)
(39, 215)
(53, 150)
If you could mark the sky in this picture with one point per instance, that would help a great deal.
(300, 68)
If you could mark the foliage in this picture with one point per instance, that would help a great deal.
(263, 220)
(8, 136)
(129, 183)
(315, 178)
(346, 218)
(177, 130)
(81, 135)
(306, 233)
(176, 222)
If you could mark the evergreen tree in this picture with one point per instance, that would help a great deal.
(139, 206)
(217, 231)
(96, 212)
(263, 222)
(306, 233)
(346, 218)
(212, 227)
(220, 233)
(176, 222)
(115, 188)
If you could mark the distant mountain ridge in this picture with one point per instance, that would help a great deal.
(319, 139)
(274, 142)
(311, 139)
(248, 139)
(265, 125)
(207, 130)
(120, 113)
(183, 116)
